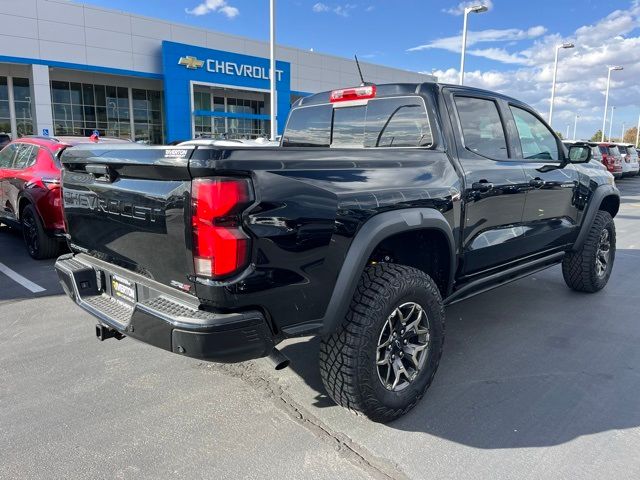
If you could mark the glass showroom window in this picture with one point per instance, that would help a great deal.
(147, 116)
(203, 125)
(81, 108)
(22, 104)
(5, 118)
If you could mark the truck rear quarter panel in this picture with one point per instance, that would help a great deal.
(309, 206)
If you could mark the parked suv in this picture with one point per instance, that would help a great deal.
(30, 191)
(630, 165)
(611, 158)
(383, 204)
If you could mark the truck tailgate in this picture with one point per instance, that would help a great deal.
(129, 206)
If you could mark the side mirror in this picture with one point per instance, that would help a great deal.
(579, 153)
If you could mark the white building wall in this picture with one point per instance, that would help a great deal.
(59, 30)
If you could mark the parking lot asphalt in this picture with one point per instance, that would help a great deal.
(536, 381)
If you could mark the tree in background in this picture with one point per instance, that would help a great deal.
(596, 137)
(630, 135)
(560, 135)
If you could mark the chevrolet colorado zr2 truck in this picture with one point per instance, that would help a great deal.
(382, 205)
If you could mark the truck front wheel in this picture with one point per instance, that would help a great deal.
(588, 269)
(385, 353)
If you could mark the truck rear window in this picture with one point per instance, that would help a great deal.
(382, 122)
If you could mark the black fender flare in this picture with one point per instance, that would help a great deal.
(599, 194)
(372, 232)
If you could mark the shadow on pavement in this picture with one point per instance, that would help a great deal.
(13, 255)
(530, 364)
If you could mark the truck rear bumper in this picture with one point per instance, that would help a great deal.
(162, 317)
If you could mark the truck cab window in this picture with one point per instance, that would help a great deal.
(348, 127)
(383, 122)
(536, 139)
(482, 128)
(309, 127)
(397, 122)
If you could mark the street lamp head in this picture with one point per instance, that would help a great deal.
(567, 45)
(477, 9)
(618, 67)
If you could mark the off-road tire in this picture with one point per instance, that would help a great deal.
(579, 266)
(348, 356)
(39, 244)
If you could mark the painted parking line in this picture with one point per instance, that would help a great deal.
(16, 277)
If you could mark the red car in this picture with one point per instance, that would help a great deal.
(611, 158)
(30, 196)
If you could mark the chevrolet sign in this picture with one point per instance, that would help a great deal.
(229, 68)
(192, 63)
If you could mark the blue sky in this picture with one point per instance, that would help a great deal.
(511, 46)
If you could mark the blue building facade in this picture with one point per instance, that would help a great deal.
(188, 66)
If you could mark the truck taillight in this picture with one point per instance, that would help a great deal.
(220, 247)
(364, 92)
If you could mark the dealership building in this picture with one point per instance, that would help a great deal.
(69, 69)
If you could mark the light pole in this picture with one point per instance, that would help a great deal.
(622, 134)
(611, 122)
(567, 137)
(638, 133)
(555, 76)
(606, 99)
(467, 11)
(575, 126)
(272, 67)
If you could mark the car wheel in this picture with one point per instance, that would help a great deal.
(386, 351)
(589, 268)
(38, 243)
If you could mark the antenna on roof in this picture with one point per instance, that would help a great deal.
(360, 71)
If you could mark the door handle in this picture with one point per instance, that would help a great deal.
(482, 186)
(537, 182)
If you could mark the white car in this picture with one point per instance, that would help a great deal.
(632, 155)
(630, 166)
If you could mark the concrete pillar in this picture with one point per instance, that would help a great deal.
(41, 87)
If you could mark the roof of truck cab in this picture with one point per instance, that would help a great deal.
(402, 89)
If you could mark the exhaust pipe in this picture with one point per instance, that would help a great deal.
(278, 359)
(104, 333)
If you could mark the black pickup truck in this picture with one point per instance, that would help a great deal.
(382, 205)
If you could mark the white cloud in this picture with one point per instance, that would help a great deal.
(320, 7)
(341, 10)
(209, 6)
(582, 71)
(459, 9)
(454, 43)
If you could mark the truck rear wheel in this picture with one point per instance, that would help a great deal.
(588, 269)
(385, 353)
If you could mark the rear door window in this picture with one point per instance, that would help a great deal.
(25, 157)
(482, 128)
(7, 155)
(596, 154)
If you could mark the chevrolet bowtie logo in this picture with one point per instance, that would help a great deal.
(191, 63)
